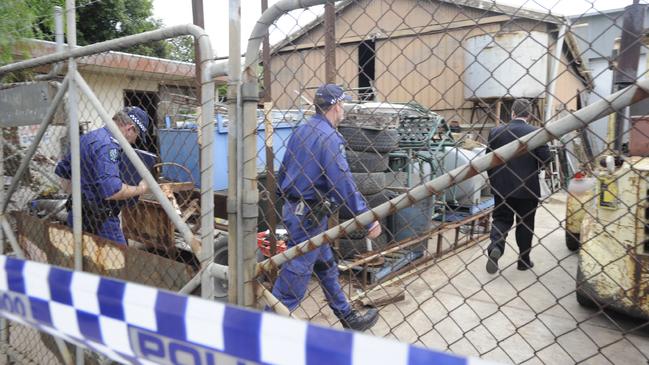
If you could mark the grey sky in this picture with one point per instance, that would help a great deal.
(216, 15)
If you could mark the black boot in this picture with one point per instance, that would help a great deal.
(525, 263)
(360, 322)
(492, 260)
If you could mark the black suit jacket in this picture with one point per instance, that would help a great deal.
(517, 178)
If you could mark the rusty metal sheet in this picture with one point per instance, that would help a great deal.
(54, 244)
(639, 136)
(577, 206)
(613, 265)
(147, 222)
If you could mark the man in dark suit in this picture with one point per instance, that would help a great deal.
(516, 190)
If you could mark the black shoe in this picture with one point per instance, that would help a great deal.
(525, 264)
(492, 261)
(360, 322)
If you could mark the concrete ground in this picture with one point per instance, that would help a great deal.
(516, 317)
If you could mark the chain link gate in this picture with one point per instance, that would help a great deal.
(429, 81)
(161, 107)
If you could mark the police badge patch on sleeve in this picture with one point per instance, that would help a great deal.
(341, 159)
(113, 154)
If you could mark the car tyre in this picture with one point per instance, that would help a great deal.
(367, 161)
(370, 140)
(582, 296)
(369, 183)
(572, 241)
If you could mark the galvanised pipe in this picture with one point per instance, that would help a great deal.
(265, 21)
(235, 237)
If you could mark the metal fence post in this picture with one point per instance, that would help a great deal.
(74, 136)
(249, 193)
(74, 148)
(234, 107)
(249, 197)
(330, 42)
(4, 324)
(207, 164)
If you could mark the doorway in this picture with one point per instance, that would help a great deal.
(366, 70)
(148, 101)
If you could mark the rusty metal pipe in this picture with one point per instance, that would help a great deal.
(272, 301)
(330, 42)
(553, 130)
(413, 241)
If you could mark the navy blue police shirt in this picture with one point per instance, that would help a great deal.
(315, 167)
(100, 156)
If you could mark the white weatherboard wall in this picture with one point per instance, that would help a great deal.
(109, 89)
(511, 64)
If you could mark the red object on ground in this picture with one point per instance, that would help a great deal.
(263, 243)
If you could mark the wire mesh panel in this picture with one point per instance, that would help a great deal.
(538, 260)
(126, 232)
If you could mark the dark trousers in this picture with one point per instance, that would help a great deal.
(503, 217)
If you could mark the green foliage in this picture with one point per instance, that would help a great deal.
(15, 20)
(97, 21)
(182, 49)
(222, 92)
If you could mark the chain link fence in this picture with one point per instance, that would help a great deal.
(433, 87)
(127, 234)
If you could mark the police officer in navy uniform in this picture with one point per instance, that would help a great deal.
(314, 174)
(102, 189)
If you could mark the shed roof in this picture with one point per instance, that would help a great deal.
(123, 63)
(476, 4)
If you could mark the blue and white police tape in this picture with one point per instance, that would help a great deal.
(137, 324)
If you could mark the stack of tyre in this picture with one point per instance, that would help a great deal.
(367, 154)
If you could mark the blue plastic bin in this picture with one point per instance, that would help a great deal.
(180, 146)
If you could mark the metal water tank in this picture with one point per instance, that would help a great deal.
(512, 64)
(467, 192)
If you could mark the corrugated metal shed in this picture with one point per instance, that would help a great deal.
(419, 50)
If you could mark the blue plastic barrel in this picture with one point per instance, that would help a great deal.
(180, 146)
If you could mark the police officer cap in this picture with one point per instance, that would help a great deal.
(330, 94)
(139, 117)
